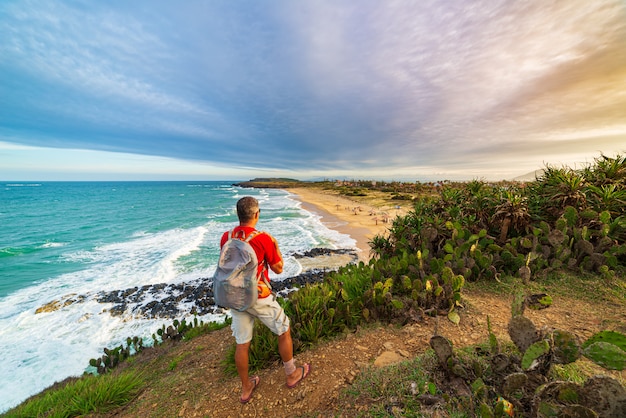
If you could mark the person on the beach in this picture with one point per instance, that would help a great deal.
(266, 309)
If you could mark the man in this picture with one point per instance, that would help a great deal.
(266, 309)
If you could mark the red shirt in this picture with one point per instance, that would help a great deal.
(266, 251)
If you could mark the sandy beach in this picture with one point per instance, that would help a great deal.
(362, 219)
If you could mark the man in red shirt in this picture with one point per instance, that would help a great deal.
(266, 309)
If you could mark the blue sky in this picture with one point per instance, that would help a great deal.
(392, 90)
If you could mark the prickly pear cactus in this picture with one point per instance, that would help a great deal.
(443, 349)
(577, 411)
(538, 301)
(606, 355)
(522, 332)
(518, 305)
(612, 337)
(524, 273)
(556, 237)
(532, 358)
(513, 383)
(605, 395)
(565, 347)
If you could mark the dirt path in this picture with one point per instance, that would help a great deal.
(197, 387)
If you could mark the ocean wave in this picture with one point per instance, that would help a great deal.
(53, 244)
(18, 251)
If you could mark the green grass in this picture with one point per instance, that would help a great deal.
(205, 328)
(394, 390)
(588, 287)
(172, 365)
(83, 396)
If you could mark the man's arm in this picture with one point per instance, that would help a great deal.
(278, 266)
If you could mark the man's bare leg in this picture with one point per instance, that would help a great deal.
(241, 362)
(285, 349)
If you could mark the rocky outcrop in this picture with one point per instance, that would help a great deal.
(173, 300)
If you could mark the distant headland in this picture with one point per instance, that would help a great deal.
(271, 183)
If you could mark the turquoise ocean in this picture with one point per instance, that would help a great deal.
(62, 241)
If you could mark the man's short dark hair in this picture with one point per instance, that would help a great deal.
(247, 207)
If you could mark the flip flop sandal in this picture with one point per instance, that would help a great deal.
(305, 373)
(256, 380)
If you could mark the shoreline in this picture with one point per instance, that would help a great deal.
(361, 220)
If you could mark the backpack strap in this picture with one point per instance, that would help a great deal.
(252, 235)
(261, 273)
(241, 235)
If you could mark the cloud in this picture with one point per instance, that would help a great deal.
(318, 86)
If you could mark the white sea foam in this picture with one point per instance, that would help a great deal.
(53, 244)
(39, 349)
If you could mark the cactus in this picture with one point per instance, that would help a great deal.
(533, 355)
(518, 305)
(547, 409)
(406, 283)
(606, 355)
(513, 383)
(522, 332)
(438, 291)
(565, 347)
(524, 273)
(479, 389)
(494, 345)
(570, 214)
(604, 395)
(485, 411)
(442, 348)
(397, 304)
(454, 317)
(584, 247)
(538, 301)
(611, 337)
(366, 314)
(569, 394)
(561, 225)
(458, 281)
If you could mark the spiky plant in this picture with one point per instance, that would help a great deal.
(607, 170)
(558, 188)
(479, 199)
(511, 213)
(608, 197)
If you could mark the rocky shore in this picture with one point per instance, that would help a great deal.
(195, 297)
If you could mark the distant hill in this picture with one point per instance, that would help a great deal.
(530, 176)
(270, 183)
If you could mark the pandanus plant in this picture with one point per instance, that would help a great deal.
(607, 170)
(511, 213)
(608, 197)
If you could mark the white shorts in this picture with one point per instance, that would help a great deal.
(267, 310)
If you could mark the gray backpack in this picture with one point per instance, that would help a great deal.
(236, 278)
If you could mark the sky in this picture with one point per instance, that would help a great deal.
(232, 90)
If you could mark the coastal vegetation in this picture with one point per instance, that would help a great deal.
(566, 224)
(566, 219)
